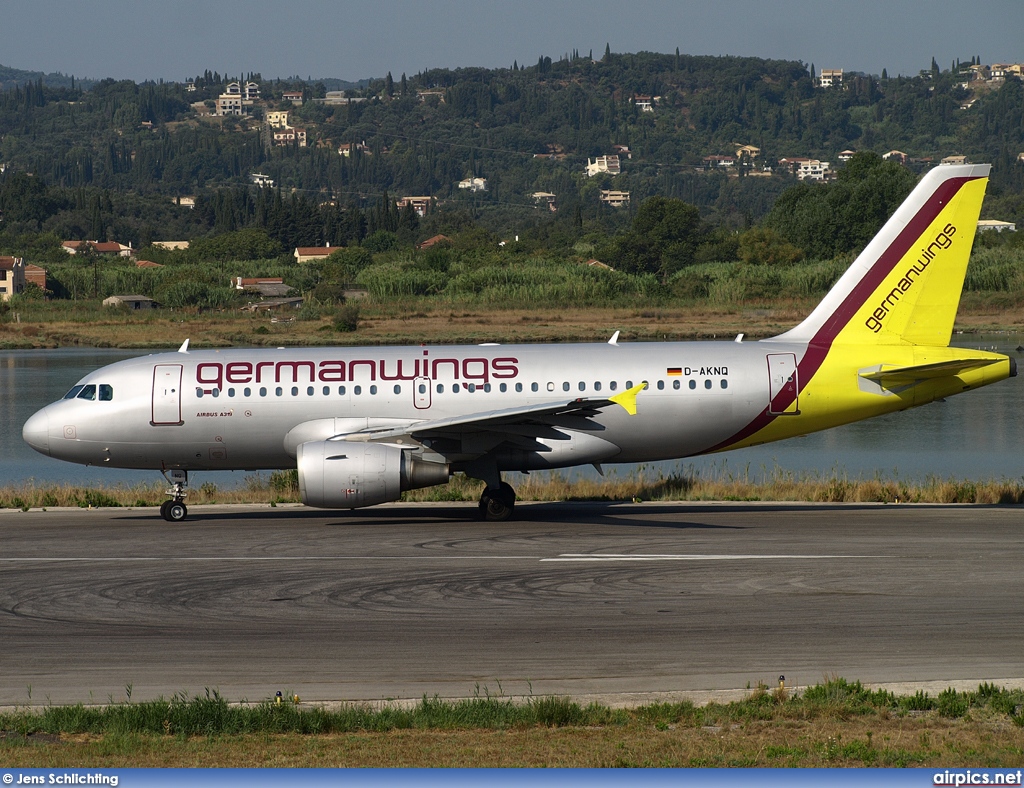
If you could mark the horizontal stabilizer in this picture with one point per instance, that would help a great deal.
(890, 375)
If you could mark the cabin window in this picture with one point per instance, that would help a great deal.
(707, 384)
(503, 387)
(583, 386)
(373, 389)
(534, 387)
(597, 385)
(87, 392)
(231, 392)
(279, 391)
(613, 385)
(341, 391)
(629, 384)
(263, 391)
(676, 385)
(398, 389)
(295, 391)
(693, 384)
(471, 387)
(551, 386)
(310, 391)
(725, 383)
(519, 386)
(247, 392)
(216, 392)
(487, 388)
(357, 390)
(455, 388)
(74, 392)
(422, 388)
(106, 392)
(661, 385)
(440, 388)
(327, 391)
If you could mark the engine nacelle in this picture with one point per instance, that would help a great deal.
(350, 474)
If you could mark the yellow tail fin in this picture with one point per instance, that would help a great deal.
(904, 288)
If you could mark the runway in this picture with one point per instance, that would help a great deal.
(405, 600)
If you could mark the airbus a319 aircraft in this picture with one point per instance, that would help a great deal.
(363, 424)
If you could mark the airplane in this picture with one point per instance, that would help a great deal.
(361, 425)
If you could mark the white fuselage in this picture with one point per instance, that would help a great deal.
(248, 409)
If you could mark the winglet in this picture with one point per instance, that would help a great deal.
(627, 399)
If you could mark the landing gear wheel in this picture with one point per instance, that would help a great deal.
(174, 511)
(497, 505)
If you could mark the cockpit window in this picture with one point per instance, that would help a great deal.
(106, 392)
(74, 392)
(87, 392)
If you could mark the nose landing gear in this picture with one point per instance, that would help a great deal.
(174, 510)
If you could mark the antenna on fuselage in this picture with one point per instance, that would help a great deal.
(615, 339)
(184, 347)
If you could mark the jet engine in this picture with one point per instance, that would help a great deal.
(347, 475)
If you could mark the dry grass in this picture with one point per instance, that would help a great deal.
(638, 486)
(871, 741)
(413, 323)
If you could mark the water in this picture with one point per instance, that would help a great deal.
(977, 435)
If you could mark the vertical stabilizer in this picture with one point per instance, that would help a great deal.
(904, 288)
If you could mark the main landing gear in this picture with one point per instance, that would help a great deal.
(497, 504)
(174, 510)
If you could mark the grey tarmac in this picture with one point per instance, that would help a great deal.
(623, 603)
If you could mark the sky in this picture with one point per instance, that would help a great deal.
(176, 39)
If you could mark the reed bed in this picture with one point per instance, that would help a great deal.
(685, 483)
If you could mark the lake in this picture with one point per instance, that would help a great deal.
(977, 435)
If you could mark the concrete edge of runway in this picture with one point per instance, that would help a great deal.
(383, 507)
(616, 700)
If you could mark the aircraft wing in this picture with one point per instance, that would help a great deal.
(889, 376)
(508, 423)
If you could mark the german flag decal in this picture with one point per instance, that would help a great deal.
(674, 372)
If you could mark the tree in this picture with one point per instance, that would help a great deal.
(836, 218)
(663, 238)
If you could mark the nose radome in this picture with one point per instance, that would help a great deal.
(36, 432)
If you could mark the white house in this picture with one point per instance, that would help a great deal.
(830, 78)
(616, 199)
(608, 164)
(996, 225)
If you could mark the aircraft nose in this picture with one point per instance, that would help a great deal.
(36, 432)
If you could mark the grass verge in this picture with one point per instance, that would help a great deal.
(835, 723)
(683, 484)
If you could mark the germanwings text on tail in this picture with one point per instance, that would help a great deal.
(363, 424)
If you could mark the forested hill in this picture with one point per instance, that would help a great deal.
(107, 158)
(13, 77)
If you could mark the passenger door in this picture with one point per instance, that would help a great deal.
(167, 394)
